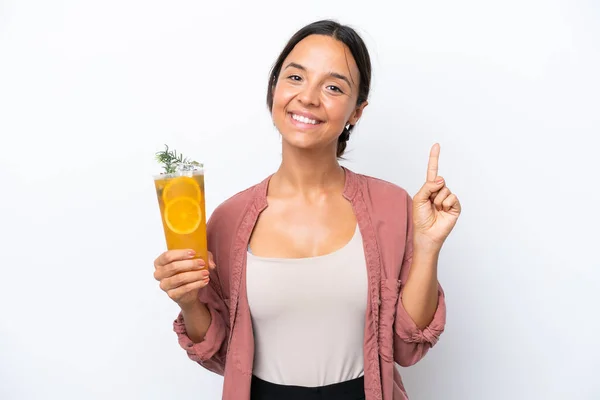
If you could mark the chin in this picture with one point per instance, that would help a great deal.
(299, 140)
(302, 142)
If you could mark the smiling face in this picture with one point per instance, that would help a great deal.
(316, 94)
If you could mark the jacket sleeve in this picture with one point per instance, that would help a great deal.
(411, 343)
(212, 351)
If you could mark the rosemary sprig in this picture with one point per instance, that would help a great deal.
(170, 160)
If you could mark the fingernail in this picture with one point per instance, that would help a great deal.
(191, 253)
(439, 180)
(204, 274)
(200, 262)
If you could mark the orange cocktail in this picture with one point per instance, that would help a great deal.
(182, 208)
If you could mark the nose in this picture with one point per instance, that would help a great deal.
(309, 96)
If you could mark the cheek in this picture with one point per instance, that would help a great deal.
(338, 111)
(281, 97)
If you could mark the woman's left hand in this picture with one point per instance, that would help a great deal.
(435, 209)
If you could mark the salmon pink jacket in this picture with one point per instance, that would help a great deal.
(384, 214)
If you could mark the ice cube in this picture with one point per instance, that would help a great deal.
(188, 166)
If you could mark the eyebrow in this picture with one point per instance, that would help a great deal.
(332, 74)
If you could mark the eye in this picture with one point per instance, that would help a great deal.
(295, 78)
(335, 89)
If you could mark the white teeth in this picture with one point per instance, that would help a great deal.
(305, 120)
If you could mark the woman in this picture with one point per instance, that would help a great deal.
(324, 277)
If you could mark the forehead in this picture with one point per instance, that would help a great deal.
(324, 54)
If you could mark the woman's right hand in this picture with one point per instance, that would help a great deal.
(181, 276)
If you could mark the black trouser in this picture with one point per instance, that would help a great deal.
(349, 390)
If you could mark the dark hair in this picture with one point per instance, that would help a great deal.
(357, 47)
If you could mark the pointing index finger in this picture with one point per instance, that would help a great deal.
(432, 167)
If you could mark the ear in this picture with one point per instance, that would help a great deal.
(357, 113)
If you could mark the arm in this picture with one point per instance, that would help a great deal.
(421, 311)
(197, 321)
(202, 328)
(420, 294)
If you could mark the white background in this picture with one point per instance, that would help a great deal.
(90, 90)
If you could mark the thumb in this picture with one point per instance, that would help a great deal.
(429, 188)
(211, 261)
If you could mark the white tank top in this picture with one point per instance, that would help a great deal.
(308, 316)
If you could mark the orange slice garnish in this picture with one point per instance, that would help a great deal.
(182, 186)
(183, 215)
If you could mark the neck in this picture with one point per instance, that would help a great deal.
(308, 172)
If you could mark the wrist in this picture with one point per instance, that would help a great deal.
(190, 307)
(425, 247)
(426, 252)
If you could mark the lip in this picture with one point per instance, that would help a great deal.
(306, 114)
